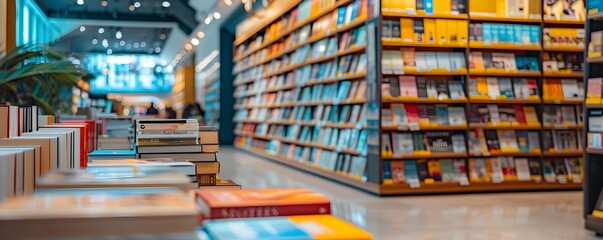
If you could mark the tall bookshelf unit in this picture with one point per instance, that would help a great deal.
(370, 165)
(593, 169)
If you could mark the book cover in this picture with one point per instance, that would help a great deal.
(523, 143)
(439, 141)
(456, 116)
(523, 169)
(282, 228)
(411, 171)
(441, 31)
(435, 170)
(407, 30)
(418, 31)
(423, 170)
(408, 86)
(447, 171)
(398, 171)
(477, 170)
(419, 142)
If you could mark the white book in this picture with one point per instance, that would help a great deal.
(534, 140)
(399, 112)
(456, 116)
(397, 62)
(493, 90)
(406, 143)
(421, 61)
(570, 88)
(522, 168)
(507, 139)
(387, 63)
(386, 117)
(497, 173)
(520, 87)
(494, 115)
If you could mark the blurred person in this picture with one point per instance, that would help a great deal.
(193, 110)
(152, 110)
(170, 113)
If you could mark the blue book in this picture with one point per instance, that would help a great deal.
(344, 87)
(411, 171)
(502, 33)
(525, 34)
(113, 153)
(535, 34)
(509, 33)
(594, 6)
(517, 34)
(442, 115)
(429, 6)
(387, 170)
(487, 33)
(341, 16)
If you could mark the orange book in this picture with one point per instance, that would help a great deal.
(407, 29)
(246, 203)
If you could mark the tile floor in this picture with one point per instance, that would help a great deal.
(544, 215)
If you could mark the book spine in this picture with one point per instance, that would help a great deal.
(166, 134)
(169, 127)
(206, 179)
(164, 141)
(270, 211)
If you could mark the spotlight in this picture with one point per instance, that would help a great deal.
(131, 8)
(82, 28)
(137, 4)
(166, 4)
(217, 15)
(201, 34)
(122, 43)
(207, 19)
(136, 45)
(188, 47)
(143, 44)
(195, 41)
(80, 2)
(228, 2)
(94, 41)
(157, 49)
(118, 35)
(104, 3)
(162, 36)
(109, 51)
(101, 30)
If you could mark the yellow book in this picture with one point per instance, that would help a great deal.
(463, 28)
(534, 8)
(441, 31)
(452, 35)
(407, 5)
(483, 7)
(407, 29)
(386, 4)
(430, 31)
(442, 6)
(530, 113)
(482, 86)
(501, 8)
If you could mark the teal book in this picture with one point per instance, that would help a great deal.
(448, 173)
(341, 16)
(410, 171)
(535, 34)
(509, 33)
(442, 115)
(488, 33)
(517, 34)
(387, 170)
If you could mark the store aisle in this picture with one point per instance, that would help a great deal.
(549, 215)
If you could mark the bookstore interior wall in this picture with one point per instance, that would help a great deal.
(471, 95)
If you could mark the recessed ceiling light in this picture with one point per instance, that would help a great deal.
(105, 42)
(137, 4)
(188, 47)
(80, 2)
(129, 45)
(101, 30)
(166, 4)
(208, 20)
(82, 28)
(104, 3)
(136, 45)
(131, 8)
(122, 43)
(162, 36)
(109, 51)
(118, 35)
(143, 44)
(228, 2)
(217, 15)
(200, 34)
(94, 41)
(195, 41)
(157, 49)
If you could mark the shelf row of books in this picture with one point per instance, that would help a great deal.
(29, 150)
(314, 115)
(482, 170)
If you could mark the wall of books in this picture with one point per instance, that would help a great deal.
(475, 95)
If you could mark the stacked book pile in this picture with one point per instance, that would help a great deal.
(28, 150)
(271, 214)
(116, 133)
(181, 140)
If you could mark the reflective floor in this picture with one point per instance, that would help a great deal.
(549, 215)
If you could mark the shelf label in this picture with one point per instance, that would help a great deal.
(359, 125)
(497, 178)
(464, 181)
(414, 184)
(414, 126)
(562, 179)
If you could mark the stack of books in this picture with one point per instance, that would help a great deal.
(116, 133)
(284, 211)
(181, 140)
(162, 212)
(28, 150)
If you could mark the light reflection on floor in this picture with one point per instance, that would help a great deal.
(548, 215)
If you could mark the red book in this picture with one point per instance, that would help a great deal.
(249, 203)
(83, 139)
(91, 132)
(412, 113)
(519, 114)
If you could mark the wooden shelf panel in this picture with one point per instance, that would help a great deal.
(505, 74)
(394, 13)
(505, 101)
(341, 178)
(552, 74)
(596, 16)
(561, 127)
(433, 73)
(574, 23)
(293, 104)
(504, 127)
(563, 49)
(390, 42)
(506, 154)
(597, 151)
(595, 59)
(593, 106)
(423, 101)
(354, 76)
(426, 156)
(562, 102)
(564, 154)
(475, 17)
(504, 46)
(473, 187)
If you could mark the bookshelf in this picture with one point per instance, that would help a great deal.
(275, 128)
(593, 178)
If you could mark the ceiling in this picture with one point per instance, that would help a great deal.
(114, 40)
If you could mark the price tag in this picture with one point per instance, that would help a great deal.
(562, 179)
(497, 178)
(486, 154)
(577, 179)
(414, 184)
(336, 101)
(414, 127)
(338, 148)
(557, 101)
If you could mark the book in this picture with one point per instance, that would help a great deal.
(398, 171)
(246, 203)
(282, 228)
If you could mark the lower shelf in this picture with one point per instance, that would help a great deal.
(405, 189)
